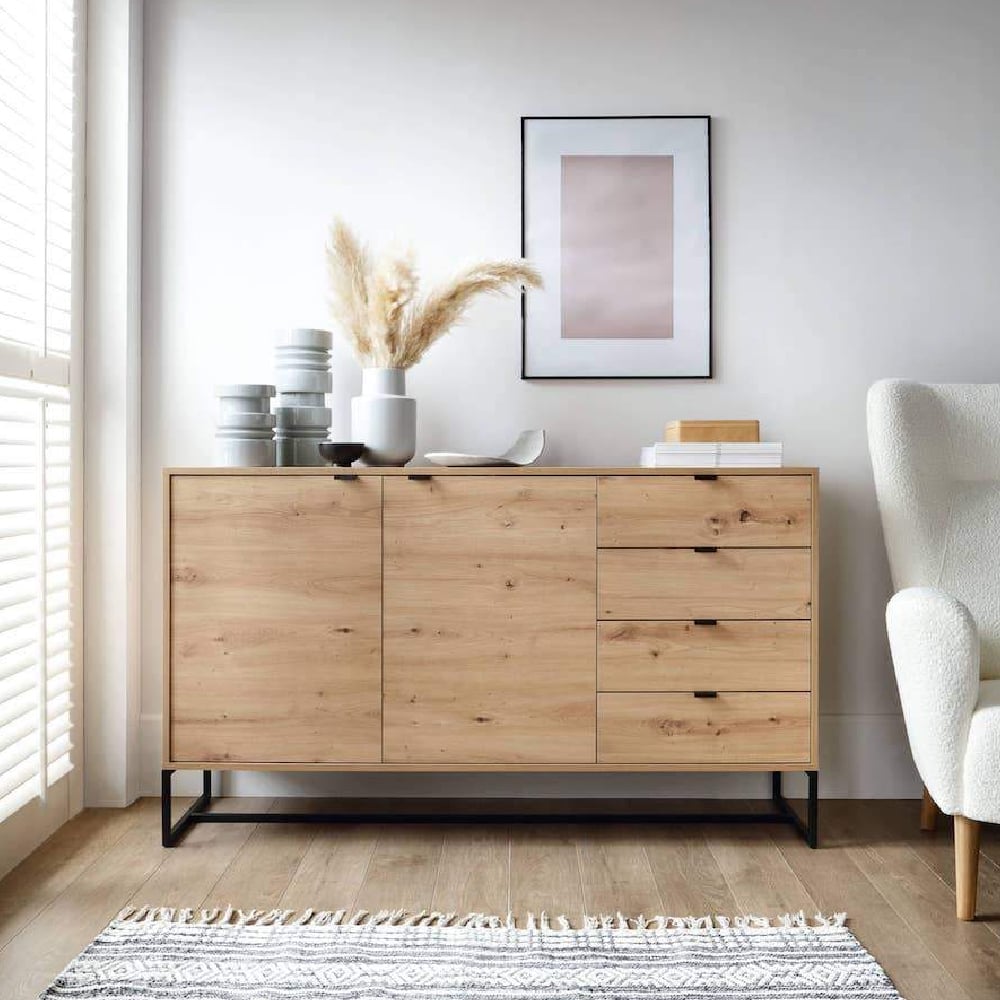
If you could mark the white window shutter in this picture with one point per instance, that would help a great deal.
(39, 274)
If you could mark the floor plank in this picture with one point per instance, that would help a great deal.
(263, 867)
(836, 884)
(403, 869)
(920, 898)
(937, 851)
(54, 866)
(615, 872)
(894, 881)
(545, 873)
(30, 961)
(756, 871)
(474, 874)
(333, 869)
(190, 870)
(687, 876)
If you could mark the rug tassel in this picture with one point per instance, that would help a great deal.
(445, 920)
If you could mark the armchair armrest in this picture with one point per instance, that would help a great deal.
(935, 653)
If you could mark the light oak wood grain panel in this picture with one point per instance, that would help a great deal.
(684, 656)
(442, 472)
(815, 617)
(274, 619)
(682, 583)
(667, 511)
(712, 430)
(489, 631)
(735, 726)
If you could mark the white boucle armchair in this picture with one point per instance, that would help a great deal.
(935, 452)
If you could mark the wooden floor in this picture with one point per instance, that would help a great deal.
(894, 882)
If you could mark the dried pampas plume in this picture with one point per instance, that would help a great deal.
(376, 301)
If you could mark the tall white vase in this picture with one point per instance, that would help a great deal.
(384, 418)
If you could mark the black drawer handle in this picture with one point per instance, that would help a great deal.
(705, 477)
(345, 479)
(416, 477)
(706, 621)
(706, 694)
(706, 548)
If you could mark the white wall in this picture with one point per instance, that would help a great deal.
(856, 203)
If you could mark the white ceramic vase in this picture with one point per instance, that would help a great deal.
(384, 418)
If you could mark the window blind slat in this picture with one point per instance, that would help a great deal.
(16, 706)
(39, 197)
(21, 794)
(20, 729)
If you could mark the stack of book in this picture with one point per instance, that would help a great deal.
(716, 444)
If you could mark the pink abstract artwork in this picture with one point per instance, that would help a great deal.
(617, 247)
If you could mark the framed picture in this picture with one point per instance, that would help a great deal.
(616, 214)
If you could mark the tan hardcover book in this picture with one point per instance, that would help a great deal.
(712, 430)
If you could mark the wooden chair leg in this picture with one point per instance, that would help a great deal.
(966, 867)
(928, 812)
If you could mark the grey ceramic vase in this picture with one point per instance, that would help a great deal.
(302, 362)
(244, 434)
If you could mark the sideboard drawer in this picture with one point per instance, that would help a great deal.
(733, 727)
(680, 510)
(688, 656)
(686, 584)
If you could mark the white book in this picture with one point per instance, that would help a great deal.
(650, 457)
(707, 454)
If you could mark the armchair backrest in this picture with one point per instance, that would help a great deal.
(935, 453)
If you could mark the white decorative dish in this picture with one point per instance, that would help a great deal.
(526, 449)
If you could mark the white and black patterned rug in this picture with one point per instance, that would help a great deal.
(163, 954)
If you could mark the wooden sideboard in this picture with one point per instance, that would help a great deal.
(491, 620)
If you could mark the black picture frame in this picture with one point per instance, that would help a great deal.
(525, 377)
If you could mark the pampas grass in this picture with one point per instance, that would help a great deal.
(378, 305)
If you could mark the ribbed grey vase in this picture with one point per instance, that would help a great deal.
(302, 361)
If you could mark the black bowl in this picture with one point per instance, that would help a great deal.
(341, 453)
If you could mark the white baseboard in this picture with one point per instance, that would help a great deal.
(862, 756)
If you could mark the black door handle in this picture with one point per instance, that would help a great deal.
(706, 694)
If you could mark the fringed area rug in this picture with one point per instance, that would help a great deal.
(278, 955)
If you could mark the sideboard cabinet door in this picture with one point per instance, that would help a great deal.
(275, 608)
(489, 643)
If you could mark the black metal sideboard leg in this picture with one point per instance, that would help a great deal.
(198, 812)
(171, 833)
(812, 820)
(808, 828)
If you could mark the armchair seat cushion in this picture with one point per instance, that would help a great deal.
(981, 799)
